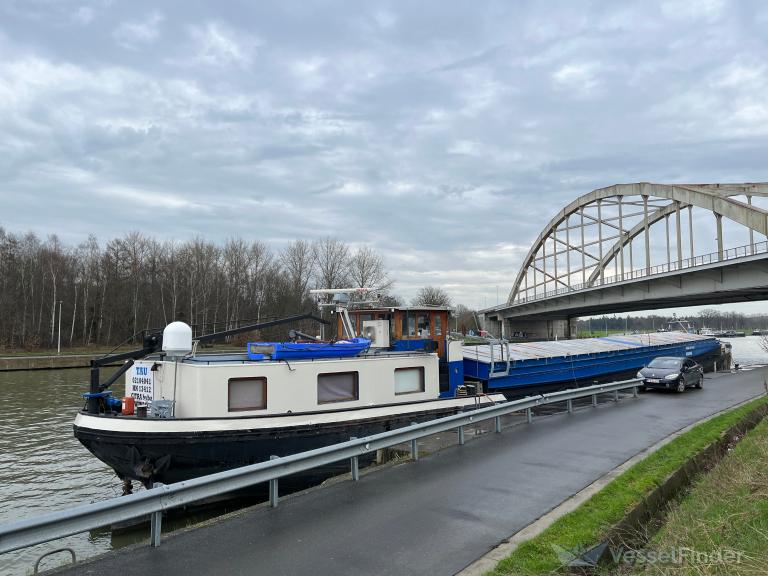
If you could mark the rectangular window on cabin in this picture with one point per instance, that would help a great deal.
(423, 325)
(438, 326)
(247, 394)
(409, 325)
(409, 380)
(337, 387)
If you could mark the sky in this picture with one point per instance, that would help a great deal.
(443, 134)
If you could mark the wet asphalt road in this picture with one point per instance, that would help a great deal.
(439, 514)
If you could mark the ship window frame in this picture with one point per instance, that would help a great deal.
(423, 329)
(422, 378)
(355, 383)
(262, 406)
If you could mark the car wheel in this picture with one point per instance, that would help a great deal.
(700, 382)
(680, 386)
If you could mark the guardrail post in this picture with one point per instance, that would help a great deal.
(615, 395)
(594, 399)
(498, 424)
(570, 406)
(461, 435)
(354, 464)
(634, 391)
(414, 446)
(155, 527)
(273, 494)
(528, 415)
(155, 524)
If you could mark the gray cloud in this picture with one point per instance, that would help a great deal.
(444, 135)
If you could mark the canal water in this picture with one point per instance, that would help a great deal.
(43, 468)
(748, 351)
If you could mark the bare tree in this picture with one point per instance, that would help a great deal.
(331, 257)
(366, 270)
(432, 296)
(298, 263)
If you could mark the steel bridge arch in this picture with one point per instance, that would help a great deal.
(716, 198)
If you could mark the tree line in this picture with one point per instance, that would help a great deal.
(94, 294)
(707, 318)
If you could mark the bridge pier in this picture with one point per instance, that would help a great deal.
(530, 328)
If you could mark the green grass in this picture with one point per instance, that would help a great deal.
(99, 350)
(590, 523)
(601, 333)
(727, 509)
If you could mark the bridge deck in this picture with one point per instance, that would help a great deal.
(437, 515)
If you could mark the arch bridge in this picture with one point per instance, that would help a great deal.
(637, 247)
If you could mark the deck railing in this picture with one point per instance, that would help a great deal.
(154, 501)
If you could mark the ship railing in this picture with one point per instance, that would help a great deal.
(154, 501)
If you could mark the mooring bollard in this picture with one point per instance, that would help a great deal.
(498, 424)
(461, 435)
(528, 415)
(273, 496)
(354, 464)
(414, 446)
(570, 406)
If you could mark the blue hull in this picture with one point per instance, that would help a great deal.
(574, 369)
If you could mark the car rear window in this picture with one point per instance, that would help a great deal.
(664, 363)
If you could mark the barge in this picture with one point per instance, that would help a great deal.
(187, 414)
(515, 369)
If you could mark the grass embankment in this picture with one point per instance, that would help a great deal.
(727, 510)
(100, 350)
(590, 523)
(601, 333)
(75, 350)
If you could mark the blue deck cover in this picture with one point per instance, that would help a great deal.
(297, 350)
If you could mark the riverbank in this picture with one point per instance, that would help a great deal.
(20, 360)
(593, 522)
(721, 526)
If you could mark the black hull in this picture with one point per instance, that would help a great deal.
(173, 457)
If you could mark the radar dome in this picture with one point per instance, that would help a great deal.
(177, 339)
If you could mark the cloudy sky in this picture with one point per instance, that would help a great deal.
(444, 134)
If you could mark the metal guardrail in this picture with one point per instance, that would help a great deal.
(154, 501)
(684, 264)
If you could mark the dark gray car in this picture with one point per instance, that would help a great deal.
(672, 373)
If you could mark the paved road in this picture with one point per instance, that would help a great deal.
(439, 514)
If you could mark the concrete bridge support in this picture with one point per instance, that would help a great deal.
(530, 328)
